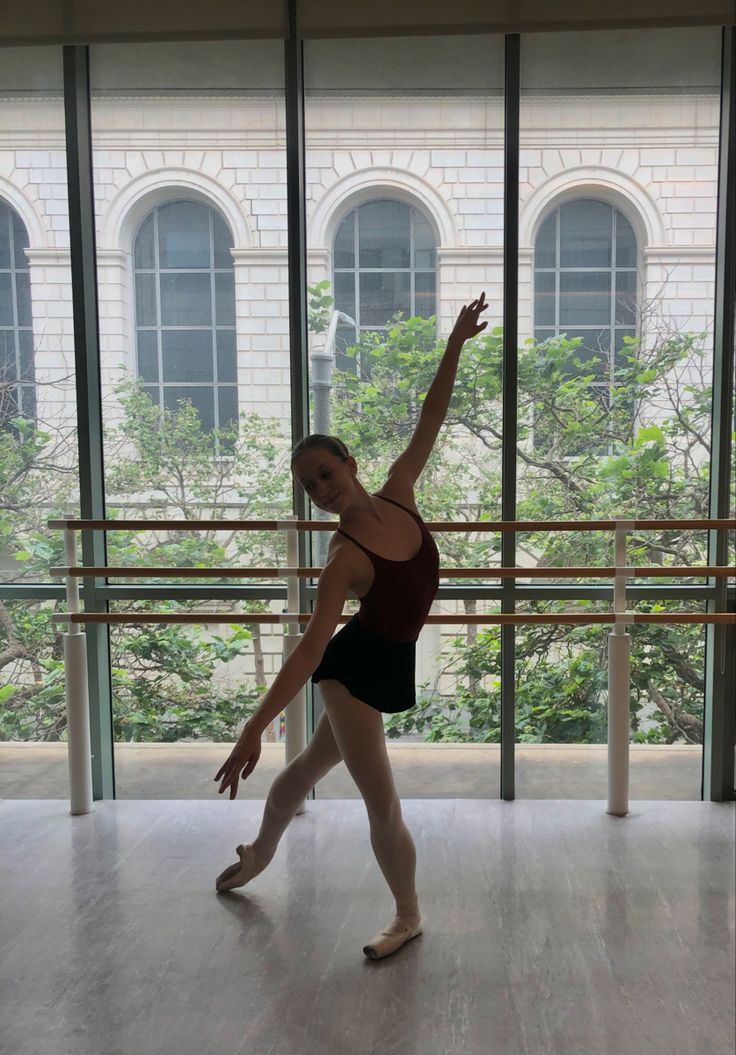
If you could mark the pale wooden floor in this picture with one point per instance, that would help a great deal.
(550, 929)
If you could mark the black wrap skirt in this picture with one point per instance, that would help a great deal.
(374, 669)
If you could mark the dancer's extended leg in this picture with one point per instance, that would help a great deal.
(287, 793)
(358, 730)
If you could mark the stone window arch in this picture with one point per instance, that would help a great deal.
(384, 261)
(586, 282)
(17, 368)
(185, 310)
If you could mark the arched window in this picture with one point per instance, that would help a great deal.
(585, 279)
(384, 261)
(17, 373)
(185, 310)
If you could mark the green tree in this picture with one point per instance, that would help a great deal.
(168, 680)
(634, 448)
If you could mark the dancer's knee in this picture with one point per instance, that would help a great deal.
(383, 807)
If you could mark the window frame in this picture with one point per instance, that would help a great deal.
(158, 387)
(412, 270)
(21, 389)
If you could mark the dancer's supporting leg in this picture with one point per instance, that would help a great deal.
(288, 791)
(358, 730)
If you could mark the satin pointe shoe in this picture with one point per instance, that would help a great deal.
(390, 941)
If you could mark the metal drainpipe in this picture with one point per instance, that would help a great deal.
(322, 363)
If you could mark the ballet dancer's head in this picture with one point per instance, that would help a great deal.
(326, 470)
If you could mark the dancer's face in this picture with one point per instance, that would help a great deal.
(329, 481)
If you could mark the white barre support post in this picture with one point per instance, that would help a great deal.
(619, 648)
(77, 694)
(296, 711)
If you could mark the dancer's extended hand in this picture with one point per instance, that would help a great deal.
(244, 756)
(466, 324)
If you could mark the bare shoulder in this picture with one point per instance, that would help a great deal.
(400, 487)
(347, 560)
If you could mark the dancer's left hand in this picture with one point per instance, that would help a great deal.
(468, 324)
(243, 757)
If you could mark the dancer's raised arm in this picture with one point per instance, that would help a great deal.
(409, 465)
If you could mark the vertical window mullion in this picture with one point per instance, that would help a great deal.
(558, 224)
(159, 333)
(412, 283)
(14, 309)
(356, 272)
(213, 334)
(612, 312)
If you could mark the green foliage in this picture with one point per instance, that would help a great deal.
(319, 306)
(634, 449)
(172, 681)
(637, 448)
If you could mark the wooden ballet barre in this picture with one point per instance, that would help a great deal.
(132, 618)
(658, 571)
(432, 525)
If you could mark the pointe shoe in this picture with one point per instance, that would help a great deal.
(389, 941)
(241, 873)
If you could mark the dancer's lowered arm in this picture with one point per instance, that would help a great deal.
(409, 465)
(332, 590)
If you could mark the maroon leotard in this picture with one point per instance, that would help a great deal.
(399, 600)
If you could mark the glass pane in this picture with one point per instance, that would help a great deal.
(187, 355)
(223, 242)
(622, 350)
(145, 300)
(228, 405)
(437, 119)
(592, 355)
(215, 108)
(586, 234)
(148, 355)
(227, 368)
(345, 292)
(382, 294)
(186, 300)
(425, 295)
(7, 357)
(625, 308)
(184, 235)
(541, 334)
(5, 228)
(625, 242)
(635, 441)
(202, 399)
(23, 294)
(425, 254)
(25, 348)
(344, 338)
(545, 247)
(225, 298)
(383, 234)
(38, 467)
(544, 298)
(20, 242)
(29, 407)
(7, 315)
(345, 243)
(144, 255)
(585, 298)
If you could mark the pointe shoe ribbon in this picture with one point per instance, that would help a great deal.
(388, 942)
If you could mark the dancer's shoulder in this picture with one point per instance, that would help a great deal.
(400, 488)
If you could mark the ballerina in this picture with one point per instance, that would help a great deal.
(367, 668)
